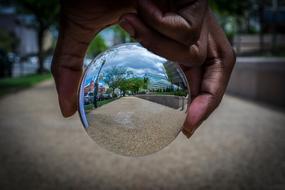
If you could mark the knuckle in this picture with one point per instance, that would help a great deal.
(194, 35)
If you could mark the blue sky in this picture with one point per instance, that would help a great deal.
(135, 58)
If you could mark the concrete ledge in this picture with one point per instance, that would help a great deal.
(261, 79)
(167, 100)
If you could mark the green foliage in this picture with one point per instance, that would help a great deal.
(234, 7)
(121, 35)
(45, 12)
(175, 93)
(109, 90)
(145, 82)
(231, 14)
(120, 77)
(11, 85)
(170, 74)
(114, 76)
(97, 46)
(132, 84)
(103, 102)
(7, 41)
(180, 93)
(88, 108)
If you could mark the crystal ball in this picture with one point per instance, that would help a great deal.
(131, 101)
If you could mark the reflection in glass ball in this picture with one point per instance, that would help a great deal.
(133, 102)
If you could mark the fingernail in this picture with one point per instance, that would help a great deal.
(187, 133)
(127, 27)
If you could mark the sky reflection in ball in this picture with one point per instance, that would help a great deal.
(131, 101)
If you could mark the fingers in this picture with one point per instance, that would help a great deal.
(188, 22)
(194, 77)
(193, 11)
(211, 91)
(198, 50)
(152, 40)
(80, 21)
(217, 70)
(67, 63)
(160, 44)
(198, 111)
(167, 24)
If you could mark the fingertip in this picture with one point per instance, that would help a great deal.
(67, 106)
(193, 119)
(136, 28)
(67, 114)
(188, 128)
(187, 135)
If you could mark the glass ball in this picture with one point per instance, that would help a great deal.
(131, 101)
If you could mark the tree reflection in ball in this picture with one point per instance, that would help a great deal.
(131, 101)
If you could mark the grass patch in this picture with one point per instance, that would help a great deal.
(176, 93)
(90, 107)
(103, 102)
(11, 85)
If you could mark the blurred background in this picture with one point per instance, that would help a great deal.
(241, 145)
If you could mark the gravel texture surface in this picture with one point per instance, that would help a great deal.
(241, 146)
(133, 126)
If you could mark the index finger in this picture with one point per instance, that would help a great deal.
(67, 63)
(217, 71)
(183, 25)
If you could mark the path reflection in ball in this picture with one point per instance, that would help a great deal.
(133, 102)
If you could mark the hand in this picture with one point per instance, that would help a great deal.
(208, 82)
(158, 27)
(207, 63)
(80, 21)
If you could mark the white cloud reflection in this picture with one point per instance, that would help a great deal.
(134, 58)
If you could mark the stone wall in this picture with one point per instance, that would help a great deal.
(261, 79)
(167, 100)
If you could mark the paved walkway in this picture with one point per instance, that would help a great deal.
(132, 126)
(241, 146)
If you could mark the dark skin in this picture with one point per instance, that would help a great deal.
(207, 62)
(80, 21)
(186, 26)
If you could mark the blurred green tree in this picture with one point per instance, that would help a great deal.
(170, 76)
(231, 14)
(8, 43)
(145, 82)
(46, 15)
(233, 8)
(121, 36)
(114, 76)
(132, 84)
(97, 45)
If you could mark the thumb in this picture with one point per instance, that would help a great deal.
(67, 62)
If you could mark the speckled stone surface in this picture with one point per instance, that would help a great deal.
(241, 146)
(133, 126)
